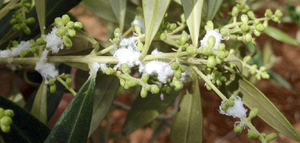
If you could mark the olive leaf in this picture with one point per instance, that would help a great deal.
(103, 98)
(192, 12)
(154, 11)
(25, 127)
(280, 36)
(253, 98)
(74, 124)
(187, 126)
(39, 107)
(145, 110)
(213, 8)
(40, 6)
(119, 9)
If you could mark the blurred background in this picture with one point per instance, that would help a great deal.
(283, 89)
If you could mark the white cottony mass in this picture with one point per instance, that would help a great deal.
(162, 69)
(237, 111)
(216, 35)
(54, 42)
(47, 70)
(23, 46)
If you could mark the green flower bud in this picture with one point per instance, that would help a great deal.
(5, 129)
(278, 13)
(144, 93)
(266, 24)
(271, 137)
(178, 74)
(244, 18)
(251, 15)
(27, 30)
(137, 29)
(260, 27)
(235, 11)
(163, 36)
(65, 19)
(224, 107)
(70, 24)
(109, 71)
(211, 62)
(253, 113)
(172, 26)
(209, 26)
(125, 68)
(24, 53)
(238, 129)
(182, 18)
(79, 25)
(244, 27)
(71, 32)
(27, 4)
(177, 84)
(52, 89)
(230, 103)
(9, 112)
(268, 13)
(30, 20)
(140, 45)
(13, 21)
(67, 41)
(69, 82)
(265, 75)
(58, 22)
(224, 31)
(252, 134)
(145, 77)
(154, 89)
(248, 37)
(6, 121)
(174, 66)
(191, 50)
(247, 59)
(51, 81)
(211, 41)
(184, 38)
(61, 31)
(257, 33)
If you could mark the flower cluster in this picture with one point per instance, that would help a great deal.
(6, 116)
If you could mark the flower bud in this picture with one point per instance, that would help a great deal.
(70, 24)
(52, 89)
(211, 62)
(209, 26)
(5, 129)
(13, 21)
(154, 89)
(251, 15)
(184, 38)
(163, 36)
(71, 32)
(67, 41)
(30, 20)
(177, 84)
(27, 30)
(252, 134)
(244, 27)
(178, 74)
(65, 19)
(172, 26)
(235, 11)
(238, 129)
(253, 113)
(260, 27)
(244, 18)
(79, 25)
(182, 18)
(69, 82)
(125, 68)
(278, 13)
(9, 112)
(51, 81)
(175, 66)
(268, 13)
(6, 120)
(58, 22)
(271, 137)
(144, 93)
(257, 33)
(61, 31)
(248, 37)
(145, 77)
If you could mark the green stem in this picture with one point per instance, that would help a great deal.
(179, 28)
(127, 32)
(106, 50)
(207, 81)
(66, 86)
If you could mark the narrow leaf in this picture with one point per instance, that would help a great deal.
(145, 110)
(39, 107)
(213, 8)
(40, 6)
(104, 95)
(119, 9)
(254, 98)
(280, 36)
(154, 11)
(192, 12)
(187, 126)
(25, 127)
(74, 124)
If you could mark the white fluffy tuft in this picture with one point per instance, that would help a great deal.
(215, 34)
(23, 46)
(47, 70)
(139, 22)
(54, 42)
(237, 111)
(162, 69)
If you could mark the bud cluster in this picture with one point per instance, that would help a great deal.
(6, 119)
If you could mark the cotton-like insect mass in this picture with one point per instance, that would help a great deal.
(216, 35)
(47, 70)
(128, 53)
(54, 42)
(237, 111)
(23, 46)
(162, 69)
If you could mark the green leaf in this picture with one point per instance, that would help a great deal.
(145, 110)
(119, 9)
(39, 107)
(280, 35)
(101, 8)
(213, 8)
(154, 11)
(25, 127)
(74, 124)
(7, 8)
(192, 11)
(254, 98)
(40, 6)
(104, 95)
(187, 126)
